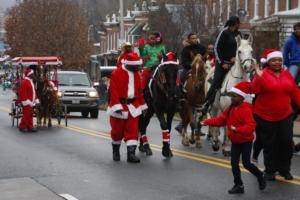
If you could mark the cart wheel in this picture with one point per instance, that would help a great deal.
(66, 115)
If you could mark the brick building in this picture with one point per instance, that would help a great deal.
(267, 19)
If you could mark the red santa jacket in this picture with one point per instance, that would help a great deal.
(125, 84)
(241, 117)
(274, 95)
(26, 92)
(120, 59)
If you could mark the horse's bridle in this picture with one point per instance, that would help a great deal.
(160, 79)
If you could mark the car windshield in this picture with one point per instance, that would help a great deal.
(74, 80)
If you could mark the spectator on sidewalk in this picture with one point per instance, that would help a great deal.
(291, 52)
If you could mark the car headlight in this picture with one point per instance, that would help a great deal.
(93, 94)
(59, 94)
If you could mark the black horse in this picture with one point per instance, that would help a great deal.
(161, 96)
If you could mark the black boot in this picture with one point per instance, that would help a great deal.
(166, 151)
(262, 183)
(237, 189)
(131, 154)
(141, 146)
(286, 175)
(148, 150)
(116, 152)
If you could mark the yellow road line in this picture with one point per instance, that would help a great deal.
(185, 154)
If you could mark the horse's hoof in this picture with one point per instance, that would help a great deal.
(226, 153)
(215, 147)
(192, 141)
(185, 143)
(166, 151)
(148, 150)
(198, 145)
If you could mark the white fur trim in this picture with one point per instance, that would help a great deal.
(116, 107)
(31, 72)
(144, 107)
(33, 89)
(263, 60)
(116, 142)
(123, 115)
(170, 62)
(275, 54)
(134, 111)
(137, 62)
(26, 103)
(130, 91)
(131, 142)
(237, 91)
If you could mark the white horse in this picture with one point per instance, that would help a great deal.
(244, 63)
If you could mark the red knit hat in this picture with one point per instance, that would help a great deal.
(242, 88)
(28, 72)
(269, 54)
(171, 59)
(132, 59)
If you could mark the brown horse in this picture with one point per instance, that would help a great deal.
(194, 98)
(47, 96)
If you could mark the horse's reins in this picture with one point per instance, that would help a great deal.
(157, 72)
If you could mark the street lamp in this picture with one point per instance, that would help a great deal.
(122, 37)
(90, 26)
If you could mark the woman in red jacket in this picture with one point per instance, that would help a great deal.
(275, 89)
(238, 118)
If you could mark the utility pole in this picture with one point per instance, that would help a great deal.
(122, 36)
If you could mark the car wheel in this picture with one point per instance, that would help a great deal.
(94, 114)
(84, 114)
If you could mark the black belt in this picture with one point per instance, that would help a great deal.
(126, 101)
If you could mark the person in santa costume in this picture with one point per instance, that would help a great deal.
(28, 99)
(125, 106)
(126, 49)
(275, 89)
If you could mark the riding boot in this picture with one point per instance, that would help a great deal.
(141, 146)
(131, 158)
(148, 150)
(116, 152)
(166, 151)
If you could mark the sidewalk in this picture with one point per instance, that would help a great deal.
(25, 189)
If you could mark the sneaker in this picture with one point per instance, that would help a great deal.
(269, 176)
(287, 176)
(262, 183)
(237, 189)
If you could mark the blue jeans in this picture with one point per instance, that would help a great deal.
(294, 70)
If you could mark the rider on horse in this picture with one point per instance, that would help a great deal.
(191, 49)
(151, 53)
(225, 51)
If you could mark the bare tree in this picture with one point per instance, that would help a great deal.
(49, 28)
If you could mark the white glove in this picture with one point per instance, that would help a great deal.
(37, 101)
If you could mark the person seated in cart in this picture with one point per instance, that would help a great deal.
(28, 99)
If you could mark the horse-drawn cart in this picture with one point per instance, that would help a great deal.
(46, 84)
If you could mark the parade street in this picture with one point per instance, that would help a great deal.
(77, 160)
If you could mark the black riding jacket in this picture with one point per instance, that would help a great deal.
(226, 46)
(186, 59)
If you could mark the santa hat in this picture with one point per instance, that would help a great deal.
(171, 59)
(269, 54)
(242, 88)
(28, 72)
(132, 59)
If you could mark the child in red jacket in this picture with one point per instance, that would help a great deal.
(238, 118)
